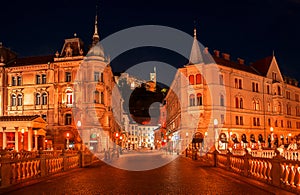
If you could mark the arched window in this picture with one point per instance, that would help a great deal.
(192, 100)
(96, 97)
(37, 99)
(198, 79)
(222, 100)
(237, 102)
(191, 80)
(13, 100)
(44, 99)
(20, 100)
(69, 97)
(257, 106)
(241, 103)
(199, 99)
(269, 107)
(279, 90)
(279, 107)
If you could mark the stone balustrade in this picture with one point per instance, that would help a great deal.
(275, 170)
(17, 167)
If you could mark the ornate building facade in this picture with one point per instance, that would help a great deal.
(215, 101)
(63, 90)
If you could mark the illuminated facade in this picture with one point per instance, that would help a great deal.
(254, 105)
(48, 86)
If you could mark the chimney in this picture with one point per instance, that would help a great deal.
(205, 51)
(226, 56)
(241, 61)
(217, 53)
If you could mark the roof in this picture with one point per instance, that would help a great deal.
(32, 60)
(263, 65)
(19, 118)
(235, 65)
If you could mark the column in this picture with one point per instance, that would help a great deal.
(17, 141)
(29, 138)
(35, 140)
(4, 140)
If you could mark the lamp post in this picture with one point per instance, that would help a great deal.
(68, 137)
(22, 132)
(216, 133)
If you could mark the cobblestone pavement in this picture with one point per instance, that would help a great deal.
(181, 176)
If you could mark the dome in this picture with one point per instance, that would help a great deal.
(96, 50)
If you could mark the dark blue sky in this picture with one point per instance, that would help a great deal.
(249, 29)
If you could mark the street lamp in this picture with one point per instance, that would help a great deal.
(216, 133)
(68, 136)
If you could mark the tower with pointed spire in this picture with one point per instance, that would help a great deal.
(195, 55)
(96, 37)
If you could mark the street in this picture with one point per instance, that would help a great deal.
(180, 176)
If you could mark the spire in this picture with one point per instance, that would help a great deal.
(96, 35)
(195, 56)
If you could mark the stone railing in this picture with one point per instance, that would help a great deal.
(20, 167)
(276, 171)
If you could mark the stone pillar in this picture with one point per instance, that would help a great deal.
(29, 138)
(36, 141)
(276, 169)
(4, 140)
(17, 141)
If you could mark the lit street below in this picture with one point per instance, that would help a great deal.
(180, 176)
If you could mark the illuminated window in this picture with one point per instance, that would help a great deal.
(69, 97)
(192, 100)
(20, 100)
(68, 119)
(44, 79)
(198, 78)
(19, 80)
(37, 99)
(13, 100)
(37, 79)
(44, 99)
(191, 80)
(199, 99)
(68, 77)
(13, 81)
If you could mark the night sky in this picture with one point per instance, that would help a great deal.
(247, 29)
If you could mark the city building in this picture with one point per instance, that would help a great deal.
(216, 101)
(60, 98)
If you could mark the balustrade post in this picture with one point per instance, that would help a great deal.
(43, 164)
(65, 162)
(276, 170)
(215, 153)
(228, 155)
(5, 172)
(246, 162)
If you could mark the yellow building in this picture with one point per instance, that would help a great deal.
(51, 87)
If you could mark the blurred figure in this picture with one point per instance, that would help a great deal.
(292, 145)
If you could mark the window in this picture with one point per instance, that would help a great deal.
(221, 79)
(241, 120)
(256, 105)
(101, 77)
(236, 83)
(44, 99)
(237, 102)
(69, 97)
(191, 79)
(68, 77)
(289, 124)
(276, 123)
(199, 99)
(281, 123)
(68, 120)
(274, 75)
(44, 79)
(96, 97)
(269, 122)
(37, 99)
(96, 76)
(37, 79)
(20, 100)
(279, 107)
(279, 90)
(13, 81)
(236, 120)
(13, 100)
(254, 87)
(19, 80)
(198, 78)
(256, 121)
(268, 89)
(298, 125)
(241, 103)
(192, 100)
(222, 100)
(297, 111)
(297, 97)
(240, 84)
(288, 95)
(269, 107)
